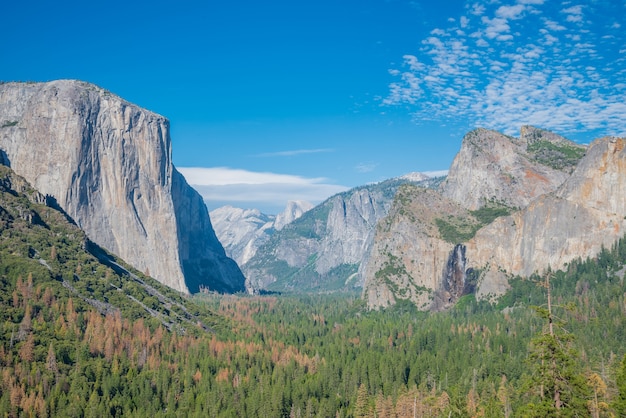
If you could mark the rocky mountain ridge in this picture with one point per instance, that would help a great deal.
(545, 202)
(107, 164)
(243, 231)
(324, 249)
(492, 167)
(586, 213)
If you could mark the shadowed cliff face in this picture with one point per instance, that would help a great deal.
(454, 273)
(457, 279)
(108, 165)
(203, 266)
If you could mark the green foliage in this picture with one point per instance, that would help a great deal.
(311, 224)
(83, 338)
(557, 156)
(9, 123)
(555, 385)
(456, 230)
(489, 212)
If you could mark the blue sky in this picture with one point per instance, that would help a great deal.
(277, 100)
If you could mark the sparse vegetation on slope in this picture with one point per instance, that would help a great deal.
(455, 230)
(557, 156)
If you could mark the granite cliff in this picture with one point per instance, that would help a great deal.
(324, 248)
(107, 164)
(586, 213)
(508, 206)
(492, 167)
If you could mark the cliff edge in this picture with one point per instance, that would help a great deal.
(107, 163)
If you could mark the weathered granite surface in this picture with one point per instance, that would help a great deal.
(108, 164)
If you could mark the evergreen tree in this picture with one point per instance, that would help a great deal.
(556, 386)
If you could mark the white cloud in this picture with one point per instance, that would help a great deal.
(510, 12)
(574, 13)
(504, 73)
(366, 167)
(221, 176)
(495, 27)
(477, 9)
(223, 184)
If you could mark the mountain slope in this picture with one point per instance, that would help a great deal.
(243, 231)
(514, 205)
(39, 244)
(108, 164)
(323, 249)
(586, 213)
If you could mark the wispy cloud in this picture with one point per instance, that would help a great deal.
(574, 13)
(512, 63)
(223, 184)
(366, 167)
(293, 153)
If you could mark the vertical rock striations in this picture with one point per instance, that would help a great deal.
(325, 248)
(107, 163)
(586, 213)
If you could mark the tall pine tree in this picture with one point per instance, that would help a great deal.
(556, 386)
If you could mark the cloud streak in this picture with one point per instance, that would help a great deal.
(222, 184)
(506, 65)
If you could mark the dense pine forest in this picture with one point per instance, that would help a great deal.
(83, 335)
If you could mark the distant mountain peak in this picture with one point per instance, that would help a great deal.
(294, 210)
(414, 176)
(243, 231)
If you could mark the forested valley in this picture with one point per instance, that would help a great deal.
(83, 335)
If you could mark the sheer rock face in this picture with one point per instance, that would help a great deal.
(294, 210)
(336, 233)
(587, 212)
(557, 221)
(350, 225)
(492, 167)
(108, 165)
(408, 255)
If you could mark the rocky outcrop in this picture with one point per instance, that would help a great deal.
(408, 253)
(107, 163)
(492, 167)
(324, 249)
(243, 231)
(586, 213)
(435, 247)
(294, 210)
